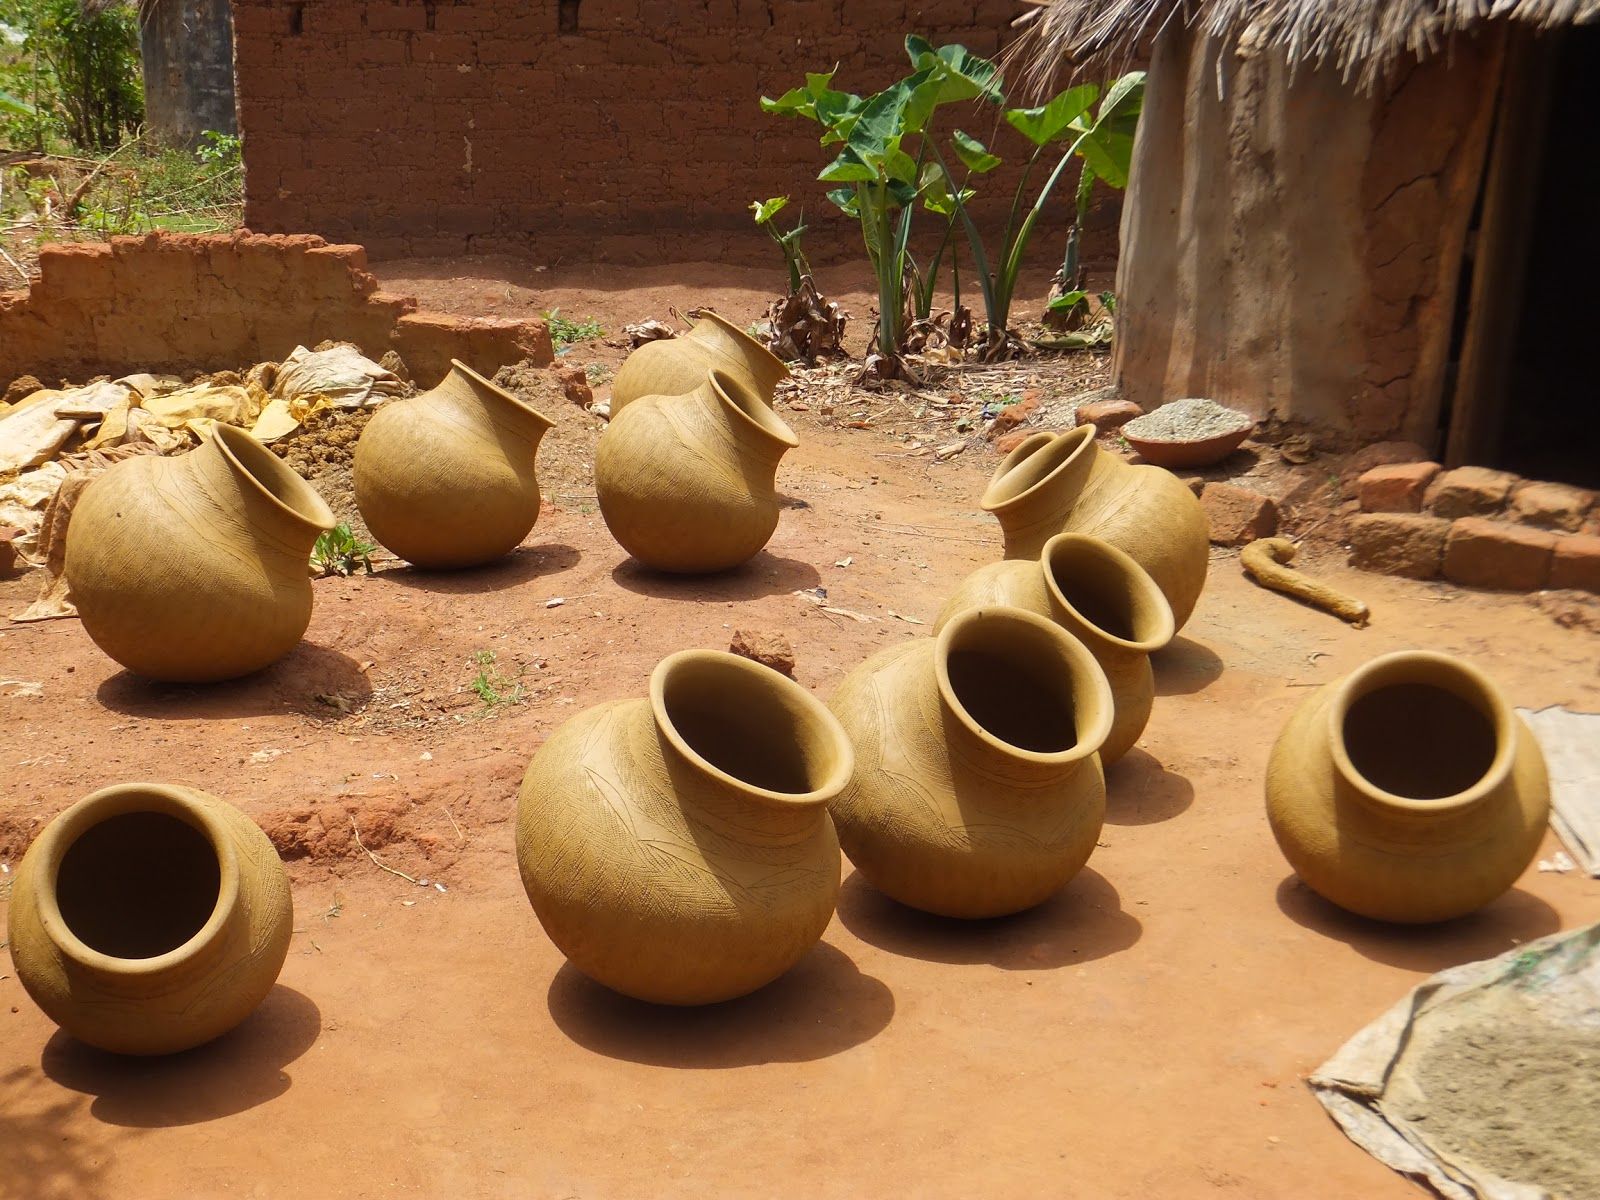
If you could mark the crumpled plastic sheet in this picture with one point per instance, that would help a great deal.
(308, 381)
(1571, 745)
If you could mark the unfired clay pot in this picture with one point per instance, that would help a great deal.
(195, 568)
(1067, 484)
(446, 479)
(978, 789)
(688, 483)
(678, 849)
(1104, 599)
(1408, 791)
(673, 366)
(147, 919)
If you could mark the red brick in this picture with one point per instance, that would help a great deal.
(1398, 544)
(1106, 415)
(1576, 563)
(1378, 454)
(1552, 505)
(1469, 492)
(1497, 554)
(1396, 488)
(1237, 515)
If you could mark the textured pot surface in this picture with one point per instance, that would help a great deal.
(147, 919)
(194, 569)
(678, 849)
(446, 479)
(673, 366)
(978, 789)
(1408, 791)
(688, 483)
(1069, 485)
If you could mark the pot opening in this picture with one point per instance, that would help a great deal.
(1009, 678)
(1108, 590)
(273, 476)
(751, 407)
(1419, 741)
(1037, 467)
(764, 732)
(138, 885)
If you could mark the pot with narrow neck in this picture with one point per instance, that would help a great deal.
(194, 569)
(978, 789)
(1068, 484)
(1104, 599)
(1408, 791)
(147, 919)
(688, 483)
(672, 366)
(678, 848)
(446, 479)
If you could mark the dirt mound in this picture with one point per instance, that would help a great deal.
(321, 451)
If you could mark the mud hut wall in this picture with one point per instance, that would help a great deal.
(578, 130)
(1291, 246)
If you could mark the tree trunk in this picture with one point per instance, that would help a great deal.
(187, 46)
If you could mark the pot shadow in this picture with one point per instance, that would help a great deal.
(823, 1006)
(764, 575)
(1517, 916)
(311, 679)
(522, 565)
(1184, 667)
(1079, 924)
(242, 1069)
(42, 1160)
(1140, 791)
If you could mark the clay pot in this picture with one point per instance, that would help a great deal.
(688, 483)
(978, 789)
(1408, 791)
(1104, 599)
(147, 919)
(195, 568)
(1067, 484)
(673, 366)
(678, 849)
(446, 479)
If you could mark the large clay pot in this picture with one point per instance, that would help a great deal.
(678, 849)
(1408, 791)
(446, 479)
(195, 568)
(978, 789)
(688, 483)
(1104, 599)
(1067, 484)
(673, 366)
(147, 919)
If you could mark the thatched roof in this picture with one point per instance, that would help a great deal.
(1362, 38)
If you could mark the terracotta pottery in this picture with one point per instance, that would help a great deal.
(195, 568)
(446, 479)
(688, 483)
(1104, 599)
(673, 366)
(978, 789)
(1069, 485)
(1193, 454)
(678, 849)
(147, 919)
(1408, 791)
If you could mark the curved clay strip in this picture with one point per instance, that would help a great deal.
(1264, 560)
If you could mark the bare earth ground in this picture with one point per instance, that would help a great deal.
(1143, 1035)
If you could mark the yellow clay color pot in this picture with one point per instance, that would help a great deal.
(673, 366)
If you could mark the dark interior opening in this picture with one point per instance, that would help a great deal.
(1418, 741)
(567, 16)
(1010, 681)
(1104, 597)
(751, 732)
(138, 885)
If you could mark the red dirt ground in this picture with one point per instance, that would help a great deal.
(1143, 1035)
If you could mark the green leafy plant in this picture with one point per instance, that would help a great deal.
(16, 108)
(219, 149)
(794, 258)
(494, 688)
(339, 552)
(1105, 144)
(564, 331)
(80, 65)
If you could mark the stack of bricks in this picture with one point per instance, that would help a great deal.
(1477, 527)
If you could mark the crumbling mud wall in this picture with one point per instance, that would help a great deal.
(178, 303)
(618, 130)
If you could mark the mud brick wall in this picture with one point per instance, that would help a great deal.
(622, 130)
(168, 302)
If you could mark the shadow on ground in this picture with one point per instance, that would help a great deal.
(1140, 791)
(1185, 667)
(311, 679)
(520, 566)
(764, 575)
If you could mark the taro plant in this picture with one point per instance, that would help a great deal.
(794, 258)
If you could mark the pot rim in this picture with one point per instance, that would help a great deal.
(1400, 667)
(747, 408)
(1083, 665)
(173, 801)
(1032, 472)
(494, 389)
(804, 705)
(744, 339)
(305, 504)
(1025, 449)
(1165, 626)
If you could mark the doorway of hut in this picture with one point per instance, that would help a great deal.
(1527, 393)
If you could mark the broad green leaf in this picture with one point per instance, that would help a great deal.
(960, 74)
(846, 201)
(765, 210)
(900, 166)
(1108, 155)
(1125, 97)
(1067, 301)
(973, 153)
(849, 167)
(10, 104)
(1045, 124)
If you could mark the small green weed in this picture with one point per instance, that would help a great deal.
(340, 552)
(494, 687)
(564, 331)
(597, 373)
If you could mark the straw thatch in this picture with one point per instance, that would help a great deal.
(1361, 38)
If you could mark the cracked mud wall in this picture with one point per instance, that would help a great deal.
(1292, 247)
